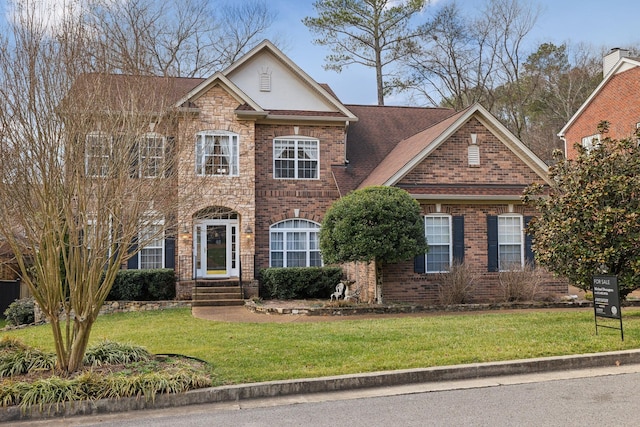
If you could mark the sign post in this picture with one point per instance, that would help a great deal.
(606, 300)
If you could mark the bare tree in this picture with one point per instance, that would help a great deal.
(174, 37)
(452, 66)
(87, 176)
(373, 33)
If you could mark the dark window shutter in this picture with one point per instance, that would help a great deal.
(132, 264)
(169, 252)
(528, 243)
(419, 264)
(134, 159)
(492, 243)
(169, 162)
(458, 238)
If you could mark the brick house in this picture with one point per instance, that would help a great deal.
(272, 149)
(614, 100)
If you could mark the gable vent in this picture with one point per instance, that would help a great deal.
(474, 155)
(265, 82)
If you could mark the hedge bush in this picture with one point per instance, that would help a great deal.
(20, 312)
(144, 285)
(299, 282)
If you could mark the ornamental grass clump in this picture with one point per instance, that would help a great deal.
(112, 370)
(113, 353)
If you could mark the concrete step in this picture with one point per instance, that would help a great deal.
(217, 303)
(224, 293)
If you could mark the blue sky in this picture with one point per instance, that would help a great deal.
(607, 24)
(603, 24)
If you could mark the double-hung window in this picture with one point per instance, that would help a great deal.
(295, 158)
(97, 153)
(295, 243)
(510, 242)
(438, 233)
(152, 253)
(217, 153)
(590, 142)
(151, 155)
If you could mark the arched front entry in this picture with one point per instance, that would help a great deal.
(215, 243)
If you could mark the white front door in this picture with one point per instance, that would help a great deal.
(215, 248)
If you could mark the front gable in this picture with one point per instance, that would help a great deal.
(269, 86)
(447, 172)
(470, 155)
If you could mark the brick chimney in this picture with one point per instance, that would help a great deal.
(612, 58)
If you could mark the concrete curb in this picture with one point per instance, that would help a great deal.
(327, 384)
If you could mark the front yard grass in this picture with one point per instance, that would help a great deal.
(251, 352)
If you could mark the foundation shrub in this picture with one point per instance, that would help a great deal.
(523, 284)
(457, 285)
(144, 285)
(299, 282)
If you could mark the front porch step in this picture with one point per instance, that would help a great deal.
(217, 303)
(217, 293)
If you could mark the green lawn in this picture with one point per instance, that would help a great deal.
(248, 352)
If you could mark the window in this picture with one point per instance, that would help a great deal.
(438, 233)
(510, 242)
(295, 158)
(97, 152)
(151, 155)
(152, 254)
(217, 153)
(591, 141)
(295, 243)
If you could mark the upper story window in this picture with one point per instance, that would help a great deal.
(97, 152)
(217, 153)
(295, 243)
(295, 158)
(151, 155)
(438, 233)
(591, 141)
(510, 242)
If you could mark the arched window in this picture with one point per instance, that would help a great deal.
(217, 153)
(295, 243)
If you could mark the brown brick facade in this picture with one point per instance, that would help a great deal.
(281, 199)
(449, 163)
(402, 284)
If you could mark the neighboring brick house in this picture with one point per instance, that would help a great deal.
(615, 100)
(272, 149)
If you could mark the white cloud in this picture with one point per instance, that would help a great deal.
(44, 14)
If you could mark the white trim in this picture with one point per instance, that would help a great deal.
(147, 136)
(295, 140)
(426, 255)
(522, 238)
(311, 227)
(161, 237)
(234, 156)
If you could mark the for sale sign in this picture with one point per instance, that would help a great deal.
(606, 297)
